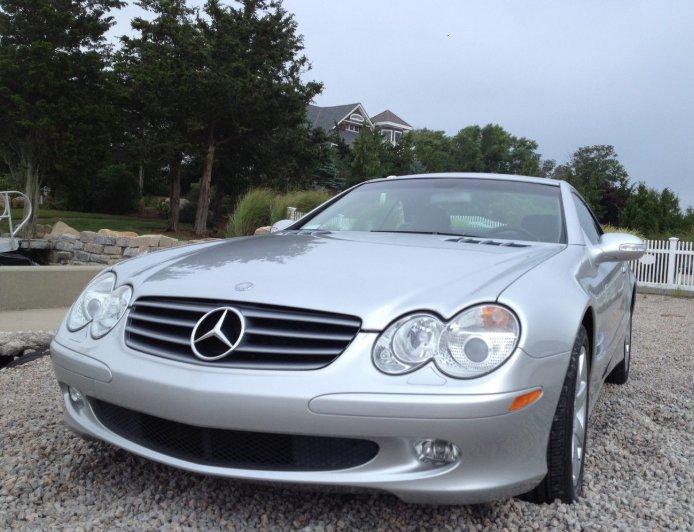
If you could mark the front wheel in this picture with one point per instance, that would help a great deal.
(566, 449)
(620, 373)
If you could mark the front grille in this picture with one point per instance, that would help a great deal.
(275, 337)
(233, 448)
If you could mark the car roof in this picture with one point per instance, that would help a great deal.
(474, 175)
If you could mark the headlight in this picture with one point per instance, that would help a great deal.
(100, 305)
(475, 342)
(408, 343)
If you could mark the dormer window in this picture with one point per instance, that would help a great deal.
(354, 128)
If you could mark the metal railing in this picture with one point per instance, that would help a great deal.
(10, 242)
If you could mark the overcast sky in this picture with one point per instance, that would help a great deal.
(566, 74)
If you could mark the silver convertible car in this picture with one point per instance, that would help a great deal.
(442, 337)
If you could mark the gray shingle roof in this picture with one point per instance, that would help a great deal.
(389, 116)
(326, 117)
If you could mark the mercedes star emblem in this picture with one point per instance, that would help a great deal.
(217, 333)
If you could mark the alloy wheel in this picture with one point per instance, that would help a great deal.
(580, 416)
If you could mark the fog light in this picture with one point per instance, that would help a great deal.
(436, 451)
(75, 395)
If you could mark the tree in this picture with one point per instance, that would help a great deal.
(641, 210)
(601, 179)
(52, 58)
(400, 158)
(159, 71)
(369, 154)
(250, 84)
(432, 150)
(492, 149)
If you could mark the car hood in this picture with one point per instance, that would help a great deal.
(375, 276)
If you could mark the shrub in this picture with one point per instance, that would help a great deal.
(115, 190)
(303, 200)
(252, 211)
(262, 206)
(613, 229)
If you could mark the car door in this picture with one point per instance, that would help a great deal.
(606, 283)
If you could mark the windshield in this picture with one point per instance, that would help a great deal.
(483, 208)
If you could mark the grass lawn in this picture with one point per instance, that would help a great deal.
(93, 221)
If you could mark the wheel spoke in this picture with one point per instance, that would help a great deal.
(580, 415)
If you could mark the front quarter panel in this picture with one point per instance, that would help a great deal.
(550, 304)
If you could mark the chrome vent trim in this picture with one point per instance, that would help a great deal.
(276, 337)
(487, 241)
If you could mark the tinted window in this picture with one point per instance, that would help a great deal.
(483, 208)
(587, 221)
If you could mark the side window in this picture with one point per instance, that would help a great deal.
(587, 220)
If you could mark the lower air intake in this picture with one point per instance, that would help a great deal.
(233, 448)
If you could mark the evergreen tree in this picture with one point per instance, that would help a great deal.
(52, 59)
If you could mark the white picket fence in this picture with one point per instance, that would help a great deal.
(666, 264)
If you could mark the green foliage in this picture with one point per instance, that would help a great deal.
(93, 221)
(250, 82)
(656, 214)
(614, 229)
(252, 211)
(601, 179)
(433, 150)
(115, 190)
(54, 110)
(303, 200)
(7, 182)
(476, 149)
(262, 206)
(369, 153)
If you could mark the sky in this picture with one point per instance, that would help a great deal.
(566, 74)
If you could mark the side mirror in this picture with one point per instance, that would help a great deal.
(280, 225)
(618, 247)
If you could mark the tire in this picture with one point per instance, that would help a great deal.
(564, 479)
(620, 373)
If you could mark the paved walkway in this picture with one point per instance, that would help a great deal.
(46, 319)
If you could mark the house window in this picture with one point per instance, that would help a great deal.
(387, 134)
(396, 136)
(354, 128)
(356, 118)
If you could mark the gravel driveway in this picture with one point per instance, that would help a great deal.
(639, 471)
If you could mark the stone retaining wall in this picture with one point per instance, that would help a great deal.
(104, 247)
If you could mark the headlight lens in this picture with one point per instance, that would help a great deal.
(475, 342)
(100, 305)
(112, 311)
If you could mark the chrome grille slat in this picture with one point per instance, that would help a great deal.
(273, 350)
(164, 321)
(263, 314)
(164, 337)
(276, 337)
(284, 333)
(177, 306)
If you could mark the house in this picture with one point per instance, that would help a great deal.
(391, 126)
(349, 119)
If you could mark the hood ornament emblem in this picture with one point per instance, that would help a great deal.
(242, 287)
(217, 333)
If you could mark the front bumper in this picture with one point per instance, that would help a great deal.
(502, 454)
